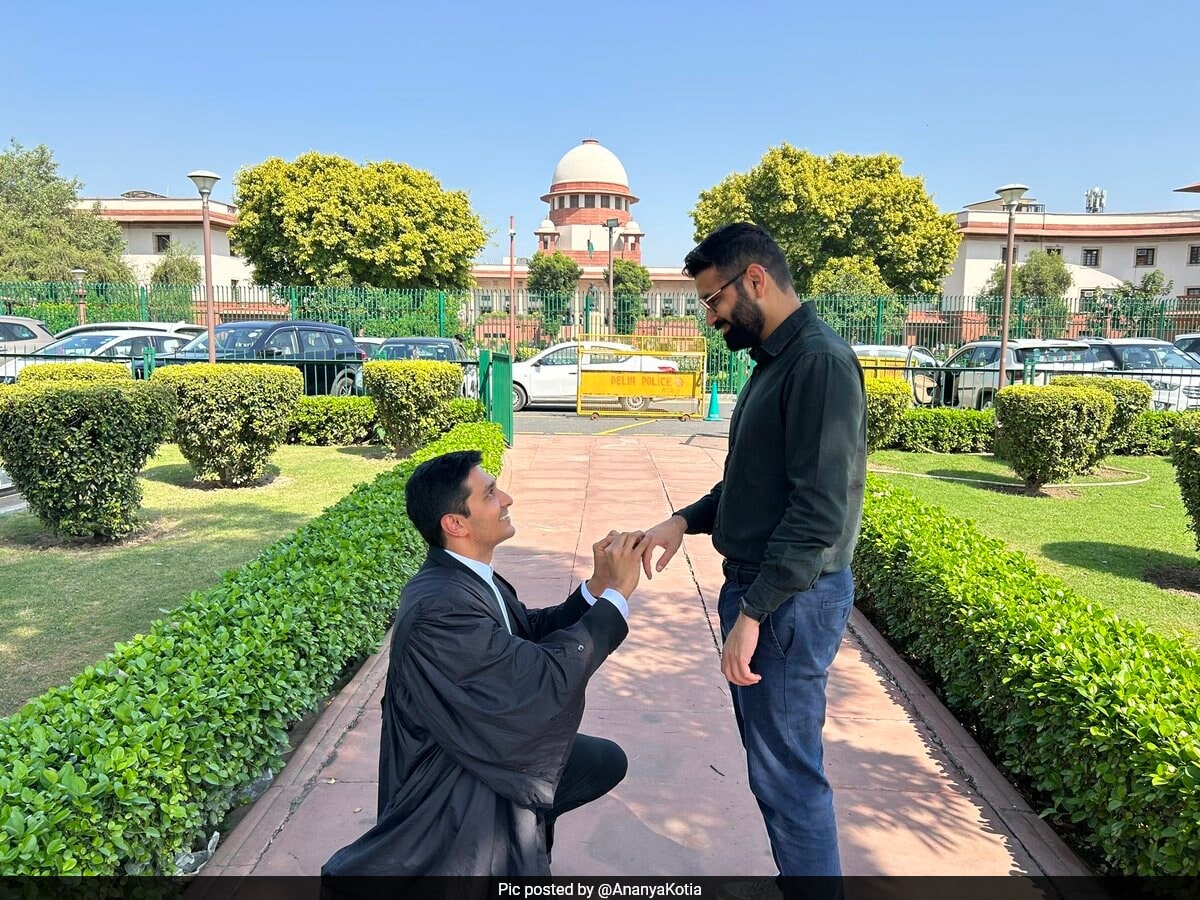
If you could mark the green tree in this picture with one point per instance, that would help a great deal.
(631, 281)
(177, 266)
(1133, 309)
(554, 278)
(1037, 308)
(852, 297)
(327, 221)
(822, 208)
(43, 236)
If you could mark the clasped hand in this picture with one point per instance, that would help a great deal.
(617, 558)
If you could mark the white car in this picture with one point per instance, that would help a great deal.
(551, 378)
(186, 328)
(1173, 375)
(99, 346)
(969, 378)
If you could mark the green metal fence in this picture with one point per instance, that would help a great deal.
(485, 317)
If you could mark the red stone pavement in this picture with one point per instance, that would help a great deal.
(914, 794)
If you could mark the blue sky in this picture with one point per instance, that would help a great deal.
(488, 96)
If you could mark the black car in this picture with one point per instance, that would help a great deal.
(441, 349)
(325, 354)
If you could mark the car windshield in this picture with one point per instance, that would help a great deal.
(229, 337)
(1154, 356)
(77, 345)
(1057, 354)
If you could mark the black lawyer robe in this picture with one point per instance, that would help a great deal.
(477, 725)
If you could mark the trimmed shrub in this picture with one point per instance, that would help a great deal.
(944, 430)
(142, 754)
(232, 416)
(1050, 433)
(1150, 433)
(1185, 455)
(1095, 715)
(1131, 398)
(464, 411)
(333, 421)
(887, 401)
(74, 450)
(411, 398)
(74, 371)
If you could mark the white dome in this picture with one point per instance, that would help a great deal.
(590, 162)
(546, 226)
(632, 227)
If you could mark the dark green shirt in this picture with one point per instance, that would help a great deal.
(791, 496)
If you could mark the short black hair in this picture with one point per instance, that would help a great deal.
(436, 487)
(733, 247)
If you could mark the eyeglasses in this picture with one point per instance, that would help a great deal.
(707, 302)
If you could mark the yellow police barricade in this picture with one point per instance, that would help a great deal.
(651, 376)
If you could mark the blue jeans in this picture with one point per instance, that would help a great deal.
(780, 719)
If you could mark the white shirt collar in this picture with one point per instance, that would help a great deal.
(482, 569)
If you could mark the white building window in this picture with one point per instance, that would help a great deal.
(606, 203)
(574, 201)
(161, 243)
(1016, 252)
(1090, 257)
(1192, 292)
(589, 201)
(1054, 251)
(1143, 256)
(1194, 255)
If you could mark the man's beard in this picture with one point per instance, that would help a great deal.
(745, 322)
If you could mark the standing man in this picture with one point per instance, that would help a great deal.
(479, 753)
(785, 516)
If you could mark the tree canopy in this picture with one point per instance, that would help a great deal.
(177, 266)
(1042, 274)
(630, 281)
(841, 206)
(553, 278)
(327, 221)
(42, 234)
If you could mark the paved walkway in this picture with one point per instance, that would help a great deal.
(914, 794)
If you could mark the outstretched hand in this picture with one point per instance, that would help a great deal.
(667, 534)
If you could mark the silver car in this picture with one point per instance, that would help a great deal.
(97, 346)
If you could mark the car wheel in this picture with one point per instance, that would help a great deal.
(520, 398)
(634, 404)
(343, 385)
(987, 401)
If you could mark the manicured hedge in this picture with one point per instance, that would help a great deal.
(1095, 714)
(74, 450)
(232, 416)
(411, 398)
(887, 401)
(333, 421)
(945, 430)
(1131, 398)
(1150, 433)
(142, 754)
(74, 371)
(1047, 434)
(1185, 455)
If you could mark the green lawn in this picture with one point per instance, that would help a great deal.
(1100, 540)
(63, 606)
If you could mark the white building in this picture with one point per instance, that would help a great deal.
(1101, 249)
(151, 222)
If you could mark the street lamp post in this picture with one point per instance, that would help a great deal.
(611, 225)
(512, 288)
(80, 293)
(1010, 196)
(205, 181)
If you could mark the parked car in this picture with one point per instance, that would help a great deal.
(325, 354)
(20, 334)
(369, 345)
(100, 346)
(551, 377)
(441, 349)
(188, 328)
(966, 382)
(886, 360)
(1173, 375)
(1189, 344)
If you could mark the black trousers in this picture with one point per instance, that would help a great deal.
(594, 767)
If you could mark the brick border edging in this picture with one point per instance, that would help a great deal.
(1048, 851)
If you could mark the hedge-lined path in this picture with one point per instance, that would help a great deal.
(915, 795)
